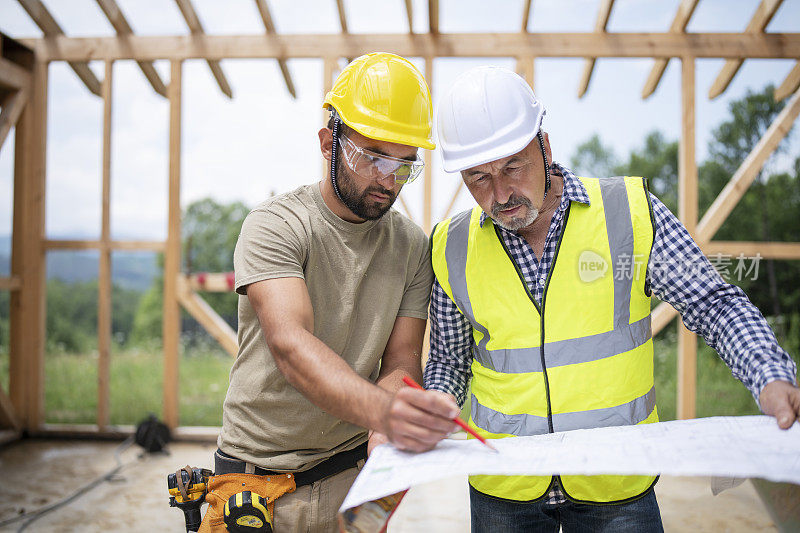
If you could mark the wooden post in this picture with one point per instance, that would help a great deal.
(328, 68)
(27, 324)
(104, 273)
(687, 209)
(172, 256)
(427, 191)
(526, 67)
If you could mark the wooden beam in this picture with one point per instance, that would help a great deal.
(329, 65)
(661, 316)
(172, 256)
(427, 191)
(687, 210)
(526, 68)
(526, 14)
(27, 309)
(132, 246)
(764, 13)
(748, 170)
(207, 317)
(190, 16)
(599, 27)
(767, 250)
(104, 271)
(342, 15)
(210, 281)
(12, 109)
(119, 22)
(410, 16)
(10, 284)
(679, 23)
(790, 84)
(42, 17)
(8, 415)
(433, 16)
(724, 45)
(266, 18)
(13, 75)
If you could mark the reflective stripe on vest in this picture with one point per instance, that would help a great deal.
(595, 366)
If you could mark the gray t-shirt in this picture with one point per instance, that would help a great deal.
(360, 278)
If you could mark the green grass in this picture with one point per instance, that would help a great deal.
(136, 387)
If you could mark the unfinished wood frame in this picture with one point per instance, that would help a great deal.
(22, 407)
(600, 27)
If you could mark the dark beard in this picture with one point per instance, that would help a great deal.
(359, 203)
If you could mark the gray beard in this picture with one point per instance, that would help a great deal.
(516, 223)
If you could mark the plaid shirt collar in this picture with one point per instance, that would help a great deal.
(574, 191)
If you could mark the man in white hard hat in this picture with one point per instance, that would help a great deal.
(542, 298)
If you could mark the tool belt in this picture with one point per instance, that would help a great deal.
(225, 464)
(233, 476)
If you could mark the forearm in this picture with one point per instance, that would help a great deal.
(747, 344)
(448, 368)
(328, 381)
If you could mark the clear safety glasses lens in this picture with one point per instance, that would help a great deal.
(376, 166)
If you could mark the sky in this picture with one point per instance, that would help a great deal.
(263, 142)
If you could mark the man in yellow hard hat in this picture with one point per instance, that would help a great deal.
(334, 287)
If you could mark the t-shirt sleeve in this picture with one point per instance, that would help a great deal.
(417, 295)
(268, 248)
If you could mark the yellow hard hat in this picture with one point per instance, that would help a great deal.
(383, 96)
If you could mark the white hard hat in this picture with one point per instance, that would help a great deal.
(489, 113)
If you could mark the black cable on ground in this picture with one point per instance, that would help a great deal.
(35, 515)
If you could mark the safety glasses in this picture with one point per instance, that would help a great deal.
(372, 165)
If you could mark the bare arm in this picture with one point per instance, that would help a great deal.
(412, 421)
(403, 357)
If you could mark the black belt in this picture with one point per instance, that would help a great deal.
(226, 464)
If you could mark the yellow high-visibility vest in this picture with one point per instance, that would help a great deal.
(584, 359)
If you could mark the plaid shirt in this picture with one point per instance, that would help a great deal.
(720, 312)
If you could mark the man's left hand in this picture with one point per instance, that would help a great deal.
(781, 399)
(375, 439)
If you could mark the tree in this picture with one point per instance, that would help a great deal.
(593, 158)
(657, 161)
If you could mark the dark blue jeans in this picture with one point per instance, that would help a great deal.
(494, 515)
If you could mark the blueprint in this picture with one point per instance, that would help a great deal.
(740, 447)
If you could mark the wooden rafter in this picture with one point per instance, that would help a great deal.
(190, 16)
(433, 16)
(733, 192)
(342, 15)
(42, 17)
(526, 14)
(12, 106)
(790, 84)
(764, 13)
(13, 75)
(269, 26)
(599, 27)
(724, 45)
(119, 22)
(410, 16)
(10, 284)
(679, 23)
(730, 195)
(196, 306)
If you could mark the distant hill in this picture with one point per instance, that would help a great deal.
(129, 270)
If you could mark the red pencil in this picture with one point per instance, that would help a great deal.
(411, 383)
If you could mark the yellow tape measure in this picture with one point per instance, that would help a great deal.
(246, 512)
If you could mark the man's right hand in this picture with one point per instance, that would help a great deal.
(417, 419)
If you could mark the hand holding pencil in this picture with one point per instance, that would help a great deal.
(410, 382)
